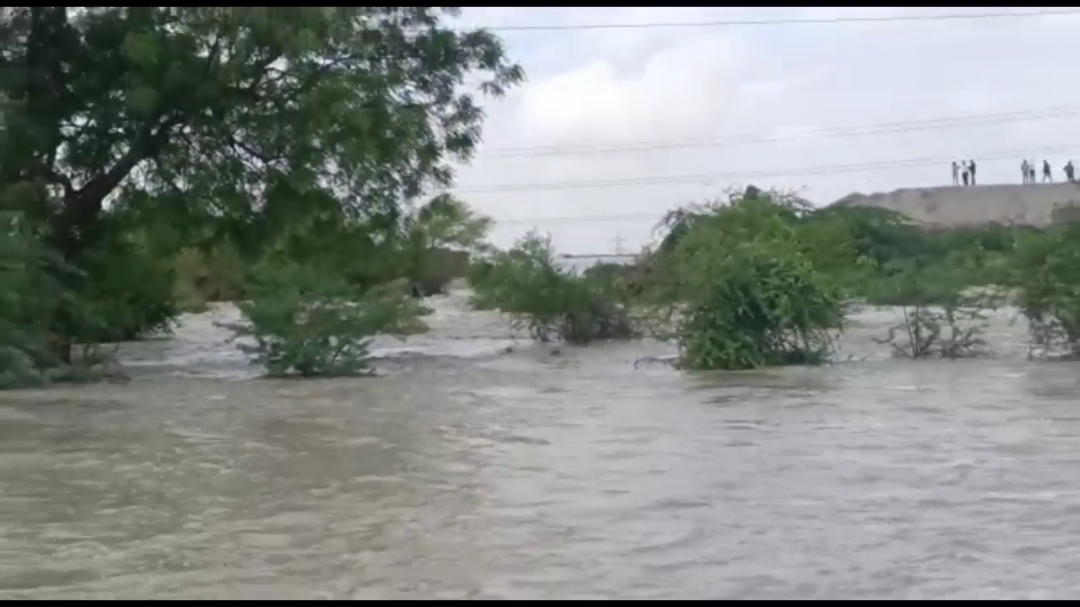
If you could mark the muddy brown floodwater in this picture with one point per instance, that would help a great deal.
(467, 472)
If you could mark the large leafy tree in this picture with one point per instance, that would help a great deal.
(231, 122)
(241, 115)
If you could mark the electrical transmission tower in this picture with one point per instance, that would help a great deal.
(618, 243)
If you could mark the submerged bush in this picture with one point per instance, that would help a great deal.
(949, 332)
(760, 310)
(1046, 270)
(753, 282)
(938, 319)
(550, 302)
(315, 325)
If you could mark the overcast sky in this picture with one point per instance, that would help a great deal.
(773, 105)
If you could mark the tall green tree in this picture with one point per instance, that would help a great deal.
(244, 119)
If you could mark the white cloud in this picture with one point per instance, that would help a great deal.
(596, 104)
(682, 95)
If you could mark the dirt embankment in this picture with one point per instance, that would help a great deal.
(964, 206)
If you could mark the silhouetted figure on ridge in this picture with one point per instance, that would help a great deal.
(966, 175)
(955, 173)
(1046, 172)
(971, 169)
(1070, 172)
(1025, 168)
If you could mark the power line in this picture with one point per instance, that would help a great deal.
(584, 219)
(835, 132)
(739, 175)
(760, 22)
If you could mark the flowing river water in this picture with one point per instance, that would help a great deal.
(466, 471)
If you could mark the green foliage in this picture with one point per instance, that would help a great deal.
(938, 277)
(883, 258)
(1046, 270)
(938, 319)
(30, 298)
(299, 137)
(621, 278)
(127, 294)
(362, 253)
(915, 283)
(482, 279)
(784, 206)
(879, 235)
(438, 240)
(229, 124)
(715, 230)
(206, 275)
(756, 281)
(310, 324)
(445, 222)
(759, 309)
(892, 249)
(950, 332)
(26, 291)
(437, 268)
(238, 106)
(550, 302)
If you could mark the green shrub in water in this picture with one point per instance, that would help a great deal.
(313, 325)
(749, 280)
(938, 318)
(550, 302)
(1046, 270)
(760, 310)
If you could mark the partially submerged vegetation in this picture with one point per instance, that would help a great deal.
(1046, 268)
(311, 324)
(763, 278)
(154, 160)
(550, 302)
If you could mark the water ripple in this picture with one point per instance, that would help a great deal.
(467, 471)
